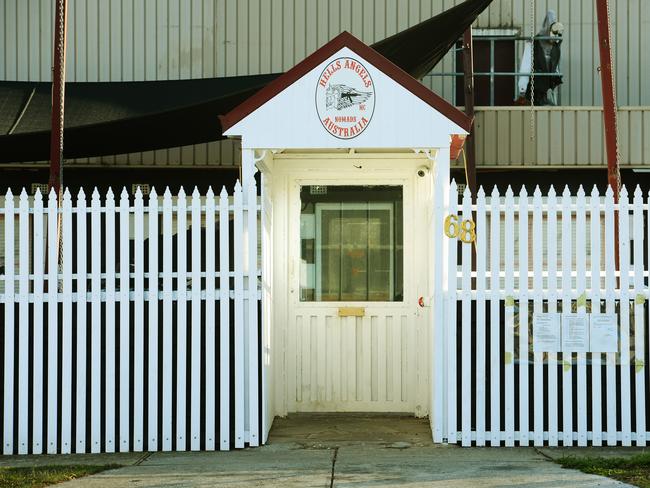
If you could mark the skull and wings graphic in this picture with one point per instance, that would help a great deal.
(343, 96)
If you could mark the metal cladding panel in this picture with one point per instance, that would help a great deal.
(562, 137)
(127, 40)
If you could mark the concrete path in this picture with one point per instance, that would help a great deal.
(348, 452)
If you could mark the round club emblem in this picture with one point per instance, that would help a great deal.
(345, 98)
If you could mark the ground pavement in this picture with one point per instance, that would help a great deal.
(351, 451)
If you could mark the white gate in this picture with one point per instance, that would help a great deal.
(146, 337)
(541, 255)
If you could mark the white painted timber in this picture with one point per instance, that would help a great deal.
(102, 370)
(82, 324)
(400, 119)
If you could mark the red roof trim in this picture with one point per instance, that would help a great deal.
(345, 39)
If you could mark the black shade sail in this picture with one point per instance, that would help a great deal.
(122, 117)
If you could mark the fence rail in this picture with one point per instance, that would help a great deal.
(559, 256)
(130, 325)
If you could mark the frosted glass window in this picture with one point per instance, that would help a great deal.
(351, 243)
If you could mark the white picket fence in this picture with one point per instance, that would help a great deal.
(541, 254)
(145, 337)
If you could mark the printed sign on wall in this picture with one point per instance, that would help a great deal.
(345, 98)
(546, 332)
(604, 332)
(575, 333)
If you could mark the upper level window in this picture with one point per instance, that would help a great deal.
(494, 67)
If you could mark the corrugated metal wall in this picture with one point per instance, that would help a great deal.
(566, 137)
(123, 40)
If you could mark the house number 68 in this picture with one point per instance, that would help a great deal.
(463, 230)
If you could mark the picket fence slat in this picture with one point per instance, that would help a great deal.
(82, 330)
(8, 410)
(481, 249)
(181, 320)
(523, 318)
(224, 321)
(595, 221)
(210, 332)
(125, 326)
(581, 306)
(153, 325)
(195, 348)
(495, 322)
(551, 249)
(166, 359)
(23, 324)
(238, 360)
(52, 324)
(624, 254)
(538, 367)
(567, 357)
(110, 331)
(466, 328)
(66, 349)
(639, 318)
(610, 285)
(37, 370)
(138, 324)
(509, 317)
(96, 329)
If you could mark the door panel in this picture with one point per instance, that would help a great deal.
(351, 363)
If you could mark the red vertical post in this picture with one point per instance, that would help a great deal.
(609, 110)
(609, 96)
(58, 96)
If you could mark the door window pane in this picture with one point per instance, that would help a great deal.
(351, 243)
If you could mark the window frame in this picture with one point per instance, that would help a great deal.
(319, 207)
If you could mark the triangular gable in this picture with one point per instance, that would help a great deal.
(334, 97)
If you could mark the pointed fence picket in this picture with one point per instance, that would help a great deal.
(52, 326)
(546, 256)
(82, 324)
(114, 310)
(66, 350)
(37, 365)
(9, 289)
(552, 371)
(110, 329)
(595, 222)
(610, 297)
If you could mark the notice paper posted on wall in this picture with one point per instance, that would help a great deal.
(555, 332)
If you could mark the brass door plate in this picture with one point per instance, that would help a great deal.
(352, 311)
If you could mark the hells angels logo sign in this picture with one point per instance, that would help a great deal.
(345, 98)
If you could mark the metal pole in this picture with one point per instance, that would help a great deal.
(468, 83)
(609, 111)
(470, 154)
(58, 96)
(609, 96)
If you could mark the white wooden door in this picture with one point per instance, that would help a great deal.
(340, 362)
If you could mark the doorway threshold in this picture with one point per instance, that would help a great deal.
(396, 430)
